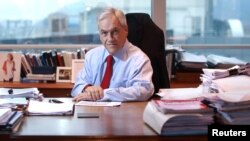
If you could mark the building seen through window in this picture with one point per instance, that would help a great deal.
(57, 21)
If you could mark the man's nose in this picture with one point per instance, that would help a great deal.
(110, 36)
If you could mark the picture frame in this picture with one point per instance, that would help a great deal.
(77, 66)
(10, 64)
(63, 74)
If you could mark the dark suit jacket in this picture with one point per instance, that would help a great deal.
(145, 34)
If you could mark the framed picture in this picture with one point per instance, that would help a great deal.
(10, 64)
(63, 74)
(77, 66)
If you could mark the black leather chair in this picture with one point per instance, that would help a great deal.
(145, 34)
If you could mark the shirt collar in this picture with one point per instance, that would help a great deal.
(120, 54)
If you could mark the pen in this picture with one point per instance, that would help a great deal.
(55, 101)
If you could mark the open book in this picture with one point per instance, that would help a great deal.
(46, 108)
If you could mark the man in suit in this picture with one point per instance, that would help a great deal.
(117, 70)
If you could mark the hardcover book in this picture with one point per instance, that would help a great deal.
(176, 124)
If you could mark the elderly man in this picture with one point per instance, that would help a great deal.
(117, 70)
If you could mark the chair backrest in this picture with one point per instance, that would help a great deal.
(145, 34)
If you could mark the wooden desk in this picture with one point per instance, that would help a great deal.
(48, 89)
(115, 123)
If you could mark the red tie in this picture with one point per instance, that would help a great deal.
(108, 72)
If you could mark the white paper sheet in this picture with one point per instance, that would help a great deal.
(91, 103)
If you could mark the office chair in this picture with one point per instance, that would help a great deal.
(146, 35)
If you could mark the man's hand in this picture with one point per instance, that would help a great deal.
(91, 93)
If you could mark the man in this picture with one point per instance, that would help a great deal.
(116, 71)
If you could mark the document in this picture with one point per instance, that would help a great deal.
(180, 93)
(14, 93)
(91, 103)
(181, 106)
(12, 102)
(46, 108)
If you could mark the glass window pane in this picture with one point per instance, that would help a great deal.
(208, 21)
(57, 21)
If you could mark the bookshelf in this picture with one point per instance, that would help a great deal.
(57, 89)
(50, 89)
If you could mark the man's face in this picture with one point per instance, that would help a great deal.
(112, 34)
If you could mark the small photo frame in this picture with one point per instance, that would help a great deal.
(10, 66)
(63, 74)
(77, 66)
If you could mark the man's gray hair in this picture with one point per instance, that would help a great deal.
(115, 12)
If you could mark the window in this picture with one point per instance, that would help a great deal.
(46, 21)
(219, 23)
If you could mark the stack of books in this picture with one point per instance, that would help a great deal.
(10, 120)
(48, 77)
(178, 117)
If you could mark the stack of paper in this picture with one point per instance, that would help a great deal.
(232, 108)
(223, 61)
(222, 73)
(15, 93)
(191, 61)
(180, 93)
(226, 80)
(45, 108)
(13, 102)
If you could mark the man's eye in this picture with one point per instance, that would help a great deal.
(116, 32)
(104, 33)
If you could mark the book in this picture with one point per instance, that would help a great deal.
(77, 66)
(176, 124)
(10, 64)
(181, 106)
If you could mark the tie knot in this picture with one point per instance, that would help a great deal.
(109, 59)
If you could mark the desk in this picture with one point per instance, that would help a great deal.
(115, 123)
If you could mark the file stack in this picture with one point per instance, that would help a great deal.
(191, 62)
(10, 120)
(20, 93)
(231, 107)
(178, 117)
(227, 80)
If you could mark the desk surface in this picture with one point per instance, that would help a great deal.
(115, 123)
